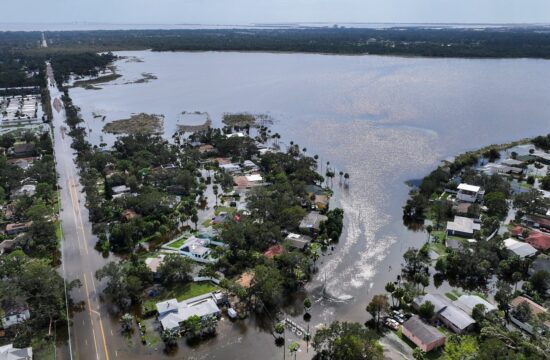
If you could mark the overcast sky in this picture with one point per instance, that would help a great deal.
(258, 11)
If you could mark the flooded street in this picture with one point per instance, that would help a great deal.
(383, 120)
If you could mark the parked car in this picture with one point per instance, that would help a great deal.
(392, 324)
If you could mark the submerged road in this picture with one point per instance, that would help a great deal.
(90, 330)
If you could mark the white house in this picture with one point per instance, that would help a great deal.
(468, 193)
(8, 352)
(520, 248)
(14, 314)
(230, 168)
(172, 313)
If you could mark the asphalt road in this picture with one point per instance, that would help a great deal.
(91, 329)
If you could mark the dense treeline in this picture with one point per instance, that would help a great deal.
(447, 42)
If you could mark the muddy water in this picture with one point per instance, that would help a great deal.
(383, 120)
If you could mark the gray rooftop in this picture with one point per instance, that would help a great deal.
(467, 303)
(463, 225)
(8, 352)
(457, 317)
(312, 221)
(438, 301)
(426, 333)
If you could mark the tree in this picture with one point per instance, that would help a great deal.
(293, 348)
(126, 322)
(170, 337)
(174, 269)
(426, 310)
(377, 307)
(267, 285)
(461, 348)
(496, 204)
(215, 191)
(418, 354)
(307, 304)
(192, 326)
(545, 183)
(390, 288)
(346, 341)
(503, 296)
(540, 282)
(478, 313)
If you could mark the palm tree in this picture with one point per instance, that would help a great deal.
(170, 337)
(209, 324)
(346, 179)
(215, 190)
(390, 287)
(341, 173)
(429, 230)
(293, 348)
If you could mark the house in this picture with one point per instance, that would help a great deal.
(237, 134)
(22, 149)
(6, 245)
(540, 222)
(249, 165)
(14, 313)
(25, 190)
(16, 228)
(247, 181)
(512, 162)
(535, 309)
(120, 189)
(468, 193)
(501, 169)
(129, 214)
(517, 231)
(230, 168)
(519, 248)
(153, 263)
(297, 241)
(456, 320)
(172, 313)
(425, 336)
(538, 240)
(467, 303)
(205, 148)
(312, 221)
(463, 226)
(8, 352)
(274, 251)
(196, 249)
(454, 244)
(450, 315)
(542, 156)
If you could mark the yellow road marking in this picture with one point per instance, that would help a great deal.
(90, 311)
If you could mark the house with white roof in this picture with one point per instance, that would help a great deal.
(468, 193)
(230, 168)
(520, 248)
(8, 352)
(467, 303)
(463, 226)
(172, 313)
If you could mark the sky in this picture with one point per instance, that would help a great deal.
(275, 11)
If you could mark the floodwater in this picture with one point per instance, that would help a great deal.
(384, 120)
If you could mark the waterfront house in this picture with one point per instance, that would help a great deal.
(512, 162)
(468, 193)
(312, 222)
(297, 241)
(463, 226)
(425, 336)
(526, 323)
(519, 248)
(14, 313)
(251, 166)
(172, 313)
(8, 352)
(542, 157)
(467, 303)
